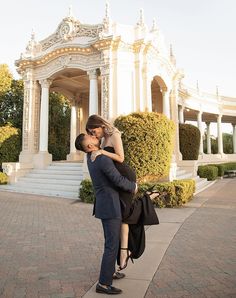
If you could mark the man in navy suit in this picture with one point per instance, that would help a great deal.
(106, 178)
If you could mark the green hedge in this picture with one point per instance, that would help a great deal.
(189, 141)
(148, 140)
(170, 194)
(3, 178)
(208, 171)
(86, 193)
(224, 167)
(10, 144)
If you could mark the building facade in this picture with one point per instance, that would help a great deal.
(110, 69)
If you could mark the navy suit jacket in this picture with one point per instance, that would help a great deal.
(106, 179)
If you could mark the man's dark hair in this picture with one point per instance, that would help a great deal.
(79, 142)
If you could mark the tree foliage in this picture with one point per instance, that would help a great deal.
(5, 78)
(11, 105)
(10, 144)
(59, 126)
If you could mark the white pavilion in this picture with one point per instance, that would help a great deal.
(110, 69)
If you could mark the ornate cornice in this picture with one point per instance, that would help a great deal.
(69, 29)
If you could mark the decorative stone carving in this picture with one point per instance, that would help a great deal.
(70, 29)
(73, 61)
(63, 60)
(32, 49)
(105, 74)
(36, 117)
(66, 30)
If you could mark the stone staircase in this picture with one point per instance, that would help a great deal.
(60, 179)
(201, 183)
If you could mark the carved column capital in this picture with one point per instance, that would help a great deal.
(92, 74)
(45, 83)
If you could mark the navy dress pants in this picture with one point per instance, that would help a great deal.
(111, 229)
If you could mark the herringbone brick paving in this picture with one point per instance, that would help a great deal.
(49, 247)
(201, 259)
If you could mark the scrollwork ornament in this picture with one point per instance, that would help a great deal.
(105, 96)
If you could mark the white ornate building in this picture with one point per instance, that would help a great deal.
(110, 69)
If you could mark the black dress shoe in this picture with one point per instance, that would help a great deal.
(118, 275)
(109, 290)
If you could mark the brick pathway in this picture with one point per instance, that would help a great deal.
(49, 247)
(201, 259)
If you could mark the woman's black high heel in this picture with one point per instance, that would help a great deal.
(150, 191)
(129, 256)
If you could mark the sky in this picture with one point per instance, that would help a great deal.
(202, 33)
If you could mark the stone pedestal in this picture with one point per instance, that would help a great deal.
(74, 156)
(42, 159)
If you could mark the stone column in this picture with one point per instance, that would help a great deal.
(199, 124)
(166, 103)
(29, 127)
(139, 79)
(181, 114)
(43, 158)
(93, 92)
(219, 134)
(148, 92)
(208, 138)
(73, 132)
(234, 138)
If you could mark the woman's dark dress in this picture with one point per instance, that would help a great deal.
(134, 212)
(126, 198)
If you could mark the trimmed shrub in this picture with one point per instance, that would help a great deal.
(224, 167)
(86, 192)
(166, 196)
(10, 144)
(3, 178)
(209, 171)
(169, 194)
(189, 141)
(184, 190)
(148, 140)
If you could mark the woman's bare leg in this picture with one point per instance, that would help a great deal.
(124, 236)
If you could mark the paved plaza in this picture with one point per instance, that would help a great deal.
(51, 248)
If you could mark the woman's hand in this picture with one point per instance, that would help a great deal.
(94, 154)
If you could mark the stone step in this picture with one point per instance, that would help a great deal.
(201, 183)
(67, 168)
(66, 164)
(56, 171)
(48, 181)
(180, 172)
(44, 192)
(185, 175)
(46, 186)
(60, 177)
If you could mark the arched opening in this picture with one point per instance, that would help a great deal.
(157, 88)
(69, 90)
(74, 84)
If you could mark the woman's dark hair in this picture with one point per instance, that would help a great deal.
(95, 121)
